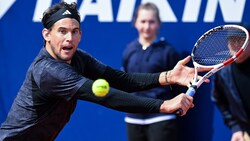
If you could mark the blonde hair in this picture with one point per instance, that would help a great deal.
(148, 6)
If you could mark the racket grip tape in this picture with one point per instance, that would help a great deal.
(191, 91)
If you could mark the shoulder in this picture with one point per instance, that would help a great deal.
(224, 74)
(166, 47)
(52, 68)
(134, 42)
(81, 53)
(83, 57)
(163, 43)
(45, 62)
(225, 71)
(131, 47)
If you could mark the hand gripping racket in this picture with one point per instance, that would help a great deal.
(215, 49)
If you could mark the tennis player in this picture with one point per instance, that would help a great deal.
(61, 74)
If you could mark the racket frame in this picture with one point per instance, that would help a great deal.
(195, 84)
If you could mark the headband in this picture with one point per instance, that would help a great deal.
(60, 14)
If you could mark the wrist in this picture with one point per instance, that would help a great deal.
(167, 77)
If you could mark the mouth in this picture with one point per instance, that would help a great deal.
(67, 48)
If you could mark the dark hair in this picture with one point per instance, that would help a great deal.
(53, 9)
(147, 6)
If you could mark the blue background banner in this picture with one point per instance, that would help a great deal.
(107, 28)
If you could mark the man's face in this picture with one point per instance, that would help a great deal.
(62, 41)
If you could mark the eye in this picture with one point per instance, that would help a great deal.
(76, 31)
(62, 31)
(152, 21)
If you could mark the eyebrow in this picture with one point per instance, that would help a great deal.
(76, 28)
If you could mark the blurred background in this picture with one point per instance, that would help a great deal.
(107, 29)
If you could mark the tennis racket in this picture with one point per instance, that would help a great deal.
(215, 49)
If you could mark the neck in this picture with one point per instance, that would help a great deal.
(53, 55)
(146, 42)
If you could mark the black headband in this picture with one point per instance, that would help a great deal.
(60, 14)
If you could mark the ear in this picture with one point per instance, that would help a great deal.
(46, 34)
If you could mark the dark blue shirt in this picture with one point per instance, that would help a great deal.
(158, 57)
(232, 99)
(51, 88)
(43, 100)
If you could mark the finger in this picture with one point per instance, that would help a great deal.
(189, 102)
(201, 69)
(186, 104)
(190, 98)
(185, 109)
(185, 60)
(192, 105)
(189, 84)
(206, 80)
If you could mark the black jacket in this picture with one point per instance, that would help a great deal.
(227, 98)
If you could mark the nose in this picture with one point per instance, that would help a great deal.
(147, 25)
(69, 36)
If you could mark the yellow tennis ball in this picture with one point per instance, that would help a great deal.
(100, 87)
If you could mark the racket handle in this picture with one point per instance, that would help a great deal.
(191, 91)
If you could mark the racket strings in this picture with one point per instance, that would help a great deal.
(218, 46)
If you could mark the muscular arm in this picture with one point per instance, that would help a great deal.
(131, 82)
(94, 69)
(119, 100)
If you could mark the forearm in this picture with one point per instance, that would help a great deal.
(131, 82)
(125, 102)
(121, 101)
